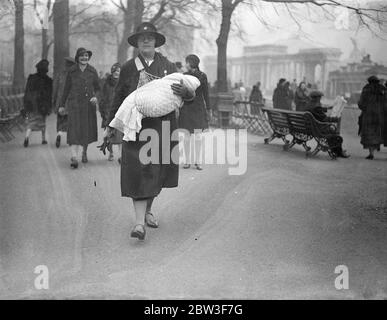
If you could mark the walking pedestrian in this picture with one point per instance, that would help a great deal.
(278, 95)
(105, 102)
(143, 182)
(57, 92)
(194, 115)
(256, 98)
(38, 101)
(81, 87)
(373, 104)
(301, 98)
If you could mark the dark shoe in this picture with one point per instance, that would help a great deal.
(198, 167)
(137, 233)
(370, 157)
(151, 221)
(84, 157)
(186, 166)
(57, 142)
(44, 141)
(26, 142)
(74, 163)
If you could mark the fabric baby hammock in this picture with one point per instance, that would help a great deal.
(154, 99)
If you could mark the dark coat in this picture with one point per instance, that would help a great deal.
(256, 96)
(193, 114)
(373, 105)
(57, 93)
(282, 98)
(138, 180)
(301, 99)
(106, 98)
(38, 94)
(79, 88)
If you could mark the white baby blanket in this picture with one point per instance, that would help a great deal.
(154, 99)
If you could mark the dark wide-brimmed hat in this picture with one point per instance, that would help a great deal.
(81, 51)
(373, 79)
(146, 28)
(316, 94)
(42, 64)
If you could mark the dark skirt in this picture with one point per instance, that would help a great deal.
(61, 123)
(138, 180)
(82, 125)
(193, 116)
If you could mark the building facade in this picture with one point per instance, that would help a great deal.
(269, 63)
(351, 78)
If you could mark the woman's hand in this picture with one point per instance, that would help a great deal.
(180, 89)
(61, 111)
(94, 100)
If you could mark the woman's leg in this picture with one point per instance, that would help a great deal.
(150, 219)
(140, 207)
(187, 150)
(84, 153)
(28, 133)
(74, 151)
(198, 149)
(44, 136)
(371, 151)
(74, 156)
(27, 137)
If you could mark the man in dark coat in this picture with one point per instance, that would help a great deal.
(37, 101)
(316, 108)
(81, 88)
(301, 98)
(373, 104)
(279, 100)
(139, 181)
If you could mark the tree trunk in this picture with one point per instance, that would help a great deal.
(45, 46)
(122, 54)
(227, 10)
(61, 34)
(137, 19)
(18, 67)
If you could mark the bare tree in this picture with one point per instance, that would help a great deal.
(371, 16)
(160, 13)
(18, 67)
(44, 20)
(60, 13)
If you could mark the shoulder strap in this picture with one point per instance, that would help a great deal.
(139, 64)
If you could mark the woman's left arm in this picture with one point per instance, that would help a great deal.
(206, 97)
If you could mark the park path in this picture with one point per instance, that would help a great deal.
(277, 231)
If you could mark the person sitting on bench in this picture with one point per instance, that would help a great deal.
(315, 107)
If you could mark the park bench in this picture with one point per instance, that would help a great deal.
(10, 117)
(251, 116)
(303, 127)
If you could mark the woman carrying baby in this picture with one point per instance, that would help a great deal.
(143, 182)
